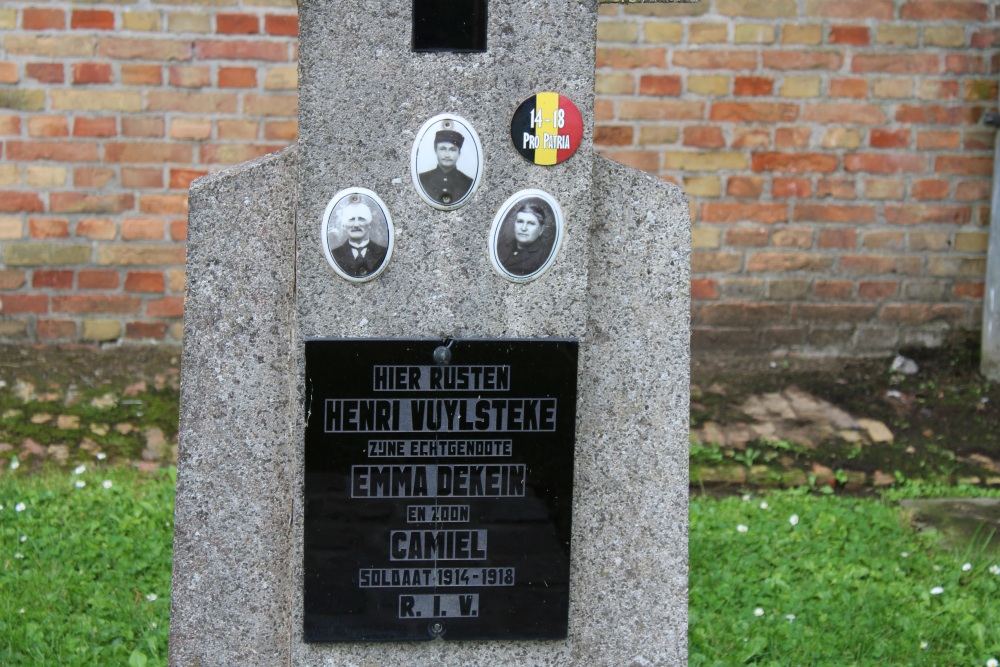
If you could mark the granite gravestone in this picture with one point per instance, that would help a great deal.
(442, 195)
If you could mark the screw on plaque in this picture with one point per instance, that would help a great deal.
(442, 353)
(436, 628)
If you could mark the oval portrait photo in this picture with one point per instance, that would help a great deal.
(357, 234)
(446, 162)
(525, 235)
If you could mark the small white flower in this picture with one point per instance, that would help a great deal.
(937, 590)
(790, 617)
(992, 662)
(101, 456)
(937, 568)
(15, 464)
(24, 538)
(966, 567)
(20, 507)
(763, 505)
(758, 612)
(794, 520)
(1, 508)
(923, 645)
(905, 554)
(746, 497)
(151, 597)
(80, 469)
(741, 528)
(106, 484)
(994, 569)
(21, 610)
(80, 484)
(154, 624)
(19, 555)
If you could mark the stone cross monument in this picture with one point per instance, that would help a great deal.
(442, 227)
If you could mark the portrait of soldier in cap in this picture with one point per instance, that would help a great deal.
(353, 226)
(455, 149)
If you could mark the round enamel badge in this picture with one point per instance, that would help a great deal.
(546, 129)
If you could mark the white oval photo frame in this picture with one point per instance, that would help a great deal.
(424, 161)
(504, 254)
(336, 245)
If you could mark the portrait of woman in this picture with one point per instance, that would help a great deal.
(526, 235)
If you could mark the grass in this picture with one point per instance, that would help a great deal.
(846, 582)
(85, 567)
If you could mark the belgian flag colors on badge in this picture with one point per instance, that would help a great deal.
(546, 128)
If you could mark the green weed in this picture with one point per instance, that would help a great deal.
(794, 578)
(85, 567)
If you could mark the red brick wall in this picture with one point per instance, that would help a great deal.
(834, 156)
(107, 113)
(832, 150)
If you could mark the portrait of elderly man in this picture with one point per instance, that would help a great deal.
(445, 183)
(359, 255)
(531, 245)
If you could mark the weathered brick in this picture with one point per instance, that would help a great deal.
(9, 73)
(792, 237)
(101, 330)
(792, 137)
(910, 63)
(843, 112)
(753, 85)
(89, 73)
(704, 238)
(851, 9)
(704, 288)
(237, 77)
(143, 127)
(956, 266)
(713, 85)
(48, 228)
(190, 76)
(33, 18)
(12, 201)
(751, 137)
(191, 101)
(141, 75)
(929, 241)
(722, 314)
(783, 262)
(833, 290)
(50, 46)
(885, 138)
(879, 264)
(837, 238)
(856, 214)
(937, 10)
(134, 229)
(128, 254)
(99, 229)
(744, 186)
(11, 279)
(78, 202)
(970, 191)
(124, 101)
(754, 112)
(802, 60)
(92, 19)
(932, 114)
(190, 128)
(801, 86)
(891, 34)
(787, 289)
(855, 88)
(715, 262)
(168, 306)
(704, 136)
(855, 35)
(660, 84)
(47, 126)
(703, 186)
(43, 279)
(56, 329)
(95, 127)
(175, 204)
(23, 304)
(93, 304)
(240, 50)
(658, 134)
(237, 24)
(233, 153)
(708, 33)
(178, 232)
(809, 33)
(22, 100)
(886, 163)
(145, 330)
(661, 110)
(746, 237)
(918, 313)
(10, 175)
(969, 289)
(794, 162)
(963, 165)
(45, 254)
(754, 33)
(142, 177)
(145, 281)
(791, 187)
(917, 214)
(715, 60)
(614, 83)
(8, 18)
(853, 313)
(45, 72)
(97, 279)
(728, 212)
(837, 188)
(617, 31)
(141, 21)
(279, 24)
(972, 242)
(930, 188)
(196, 22)
(704, 161)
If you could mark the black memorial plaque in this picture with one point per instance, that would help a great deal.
(449, 26)
(438, 492)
